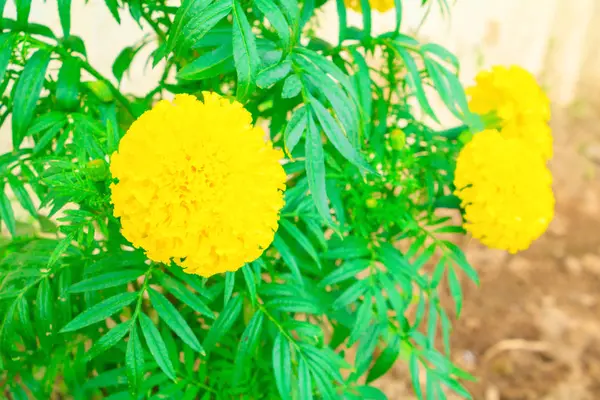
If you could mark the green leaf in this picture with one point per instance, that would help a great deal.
(51, 131)
(459, 258)
(245, 53)
(302, 240)
(294, 129)
(223, 322)
(413, 366)
(250, 282)
(7, 41)
(6, 213)
(157, 346)
(113, 7)
(229, 285)
(134, 362)
(291, 87)
(21, 194)
(371, 393)
(365, 8)
(107, 280)
(347, 270)
(26, 94)
(64, 12)
(414, 80)
(287, 256)
(324, 384)
(169, 314)
(351, 294)
(110, 339)
(282, 366)
(363, 320)
(315, 169)
(23, 9)
(44, 309)
(304, 380)
(60, 248)
(273, 74)
(123, 62)
(398, 9)
(216, 62)
(183, 294)
(342, 17)
(337, 137)
(294, 305)
(100, 311)
(25, 318)
(363, 83)
(277, 20)
(386, 359)
(455, 290)
(197, 18)
(67, 88)
(248, 341)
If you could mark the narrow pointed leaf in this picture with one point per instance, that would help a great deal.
(157, 346)
(100, 311)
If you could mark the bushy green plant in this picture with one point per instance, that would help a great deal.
(85, 315)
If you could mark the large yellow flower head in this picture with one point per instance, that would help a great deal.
(505, 189)
(512, 93)
(198, 185)
(377, 5)
(513, 96)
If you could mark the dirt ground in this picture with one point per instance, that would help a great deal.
(531, 331)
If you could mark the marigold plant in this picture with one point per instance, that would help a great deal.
(270, 221)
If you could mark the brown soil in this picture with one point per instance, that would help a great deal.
(531, 331)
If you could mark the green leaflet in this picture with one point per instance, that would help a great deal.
(245, 53)
(27, 92)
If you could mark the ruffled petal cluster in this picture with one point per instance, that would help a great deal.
(377, 5)
(512, 95)
(505, 190)
(198, 185)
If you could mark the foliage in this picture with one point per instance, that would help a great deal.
(83, 313)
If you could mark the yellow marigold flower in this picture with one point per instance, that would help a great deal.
(198, 185)
(377, 5)
(505, 189)
(537, 134)
(512, 93)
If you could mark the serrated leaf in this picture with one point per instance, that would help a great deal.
(413, 366)
(338, 138)
(64, 12)
(282, 366)
(277, 20)
(110, 339)
(455, 290)
(363, 320)
(134, 362)
(183, 294)
(169, 314)
(351, 294)
(202, 18)
(414, 80)
(287, 256)
(26, 94)
(315, 169)
(250, 282)
(248, 341)
(302, 240)
(293, 305)
(223, 322)
(21, 194)
(108, 280)
(229, 285)
(273, 74)
(386, 359)
(245, 53)
(216, 62)
(459, 258)
(291, 87)
(6, 213)
(156, 345)
(347, 270)
(100, 311)
(295, 128)
(7, 41)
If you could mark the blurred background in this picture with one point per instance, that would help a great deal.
(532, 330)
